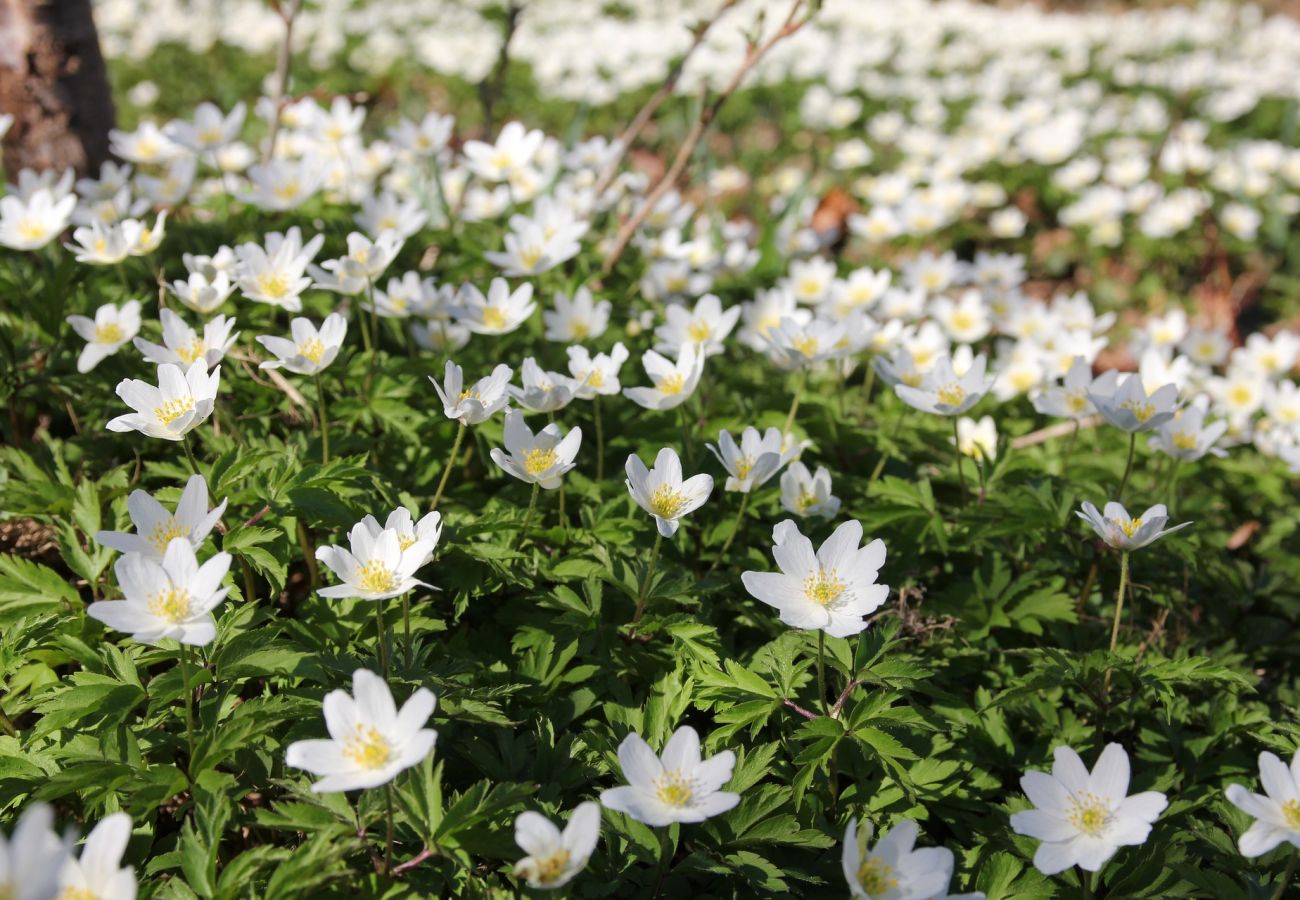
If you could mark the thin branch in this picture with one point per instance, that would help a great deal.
(1060, 429)
(287, 10)
(753, 53)
(799, 709)
(652, 105)
(414, 861)
(489, 89)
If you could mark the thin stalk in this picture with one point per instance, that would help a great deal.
(1286, 877)
(644, 593)
(406, 627)
(600, 441)
(961, 473)
(794, 402)
(388, 843)
(1119, 611)
(189, 706)
(532, 508)
(451, 462)
(374, 330)
(867, 384)
(1173, 483)
(381, 633)
(1069, 447)
(884, 458)
(735, 527)
(821, 673)
(324, 423)
(1128, 466)
(688, 449)
(189, 454)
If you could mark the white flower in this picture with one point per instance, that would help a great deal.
(831, 589)
(541, 459)
(808, 495)
(374, 566)
(594, 375)
(673, 382)
(100, 244)
(1276, 811)
(428, 137)
(707, 326)
(365, 262)
(792, 345)
(99, 872)
(477, 403)
(428, 530)
(966, 319)
(1187, 437)
(147, 144)
(210, 129)
(182, 345)
(388, 211)
(677, 786)
(202, 294)
(370, 740)
(894, 869)
(311, 349)
(943, 392)
(31, 223)
(514, 149)
(578, 319)
(554, 857)
(106, 333)
(662, 492)
(1082, 818)
(978, 440)
(172, 599)
(155, 527)
(1068, 400)
(749, 465)
(1123, 533)
(183, 400)
(529, 251)
(32, 857)
(500, 312)
(542, 391)
(283, 184)
(1126, 405)
(275, 274)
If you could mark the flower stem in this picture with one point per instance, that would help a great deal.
(382, 635)
(532, 508)
(406, 626)
(688, 449)
(324, 423)
(1286, 877)
(451, 462)
(821, 672)
(1128, 466)
(735, 527)
(374, 332)
(794, 401)
(1173, 483)
(189, 454)
(388, 843)
(1119, 611)
(644, 593)
(868, 382)
(961, 473)
(189, 706)
(884, 457)
(600, 441)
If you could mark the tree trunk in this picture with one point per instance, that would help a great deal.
(54, 83)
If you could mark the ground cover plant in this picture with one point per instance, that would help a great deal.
(880, 482)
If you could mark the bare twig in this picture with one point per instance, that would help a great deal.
(489, 89)
(414, 861)
(1060, 429)
(708, 112)
(652, 105)
(799, 709)
(287, 10)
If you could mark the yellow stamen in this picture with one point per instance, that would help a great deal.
(530, 257)
(550, 868)
(192, 351)
(31, 230)
(1291, 812)
(376, 578)
(1140, 410)
(405, 540)
(805, 345)
(876, 877)
(538, 460)
(671, 384)
(1129, 526)
(287, 191)
(1089, 814)
(312, 350)
(805, 501)
(823, 587)
(108, 334)
(163, 534)
(368, 748)
(173, 604)
(272, 284)
(579, 330)
(665, 501)
(1185, 440)
(674, 789)
(172, 410)
(699, 331)
(493, 317)
(951, 394)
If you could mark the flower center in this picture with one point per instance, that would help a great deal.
(210, 136)
(1240, 395)
(744, 466)
(172, 410)
(272, 284)
(551, 868)
(172, 604)
(1076, 402)
(596, 378)
(1090, 815)
(368, 748)
(1291, 812)
(805, 345)
(404, 541)
(68, 893)
(1185, 440)
(312, 350)
(31, 229)
(806, 501)
(1130, 526)
(951, 394)
(108, 334)
(163, 534)
(376, 578)
(530, 257)
(674, 789)
(810, 287)
(823, 587)
(876, 877)
(195, 349)
(699, 331)
(672, 384)
(1140, 410)
(962, 321)
(665, 501)
(288, 190)
(493, 317)
(538, 460)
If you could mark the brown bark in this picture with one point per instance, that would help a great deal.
(54, 83)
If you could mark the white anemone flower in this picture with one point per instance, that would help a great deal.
(677, 786)
(183, 346)
(542, 458)
(311, 350)
(31, 223)
(1069, 399)
(1187, 437)
(183, 400)
(428, 529)
(1126, 404)
(808, 494)
(674, 383)
(202, 294)
(831, 589)
(476, 403)
(707, 325)
(542, 391)
(172, 599)
(155, 527)
(1082, 817)
(578, 319)
(943, 392)
(1119, 530)
(99, 872)
(500, 312)
(108, 332)
(374, 566)
(896, 868)
(596, 375)
(554, 856)
(370, 741)
(1276, 811)
(753, 461)
(662, 492)
(32, 856)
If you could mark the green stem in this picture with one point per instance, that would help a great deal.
(688, 448)
(324, 423)
(1128, 466)
(794, 401)
(451, 462)
(600, 442)
(735, 527)
(1119, 611)
(1069, 447)
(884, 457)
(821, 673)
(532, 507)
(189, 454)
(1286, 877)
(382, 635)
(644, 593)
(388, 843)
(406, 626)
(374, 329)
(189, 706)
(867, 384)
(961, 473)
(1173, 483)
